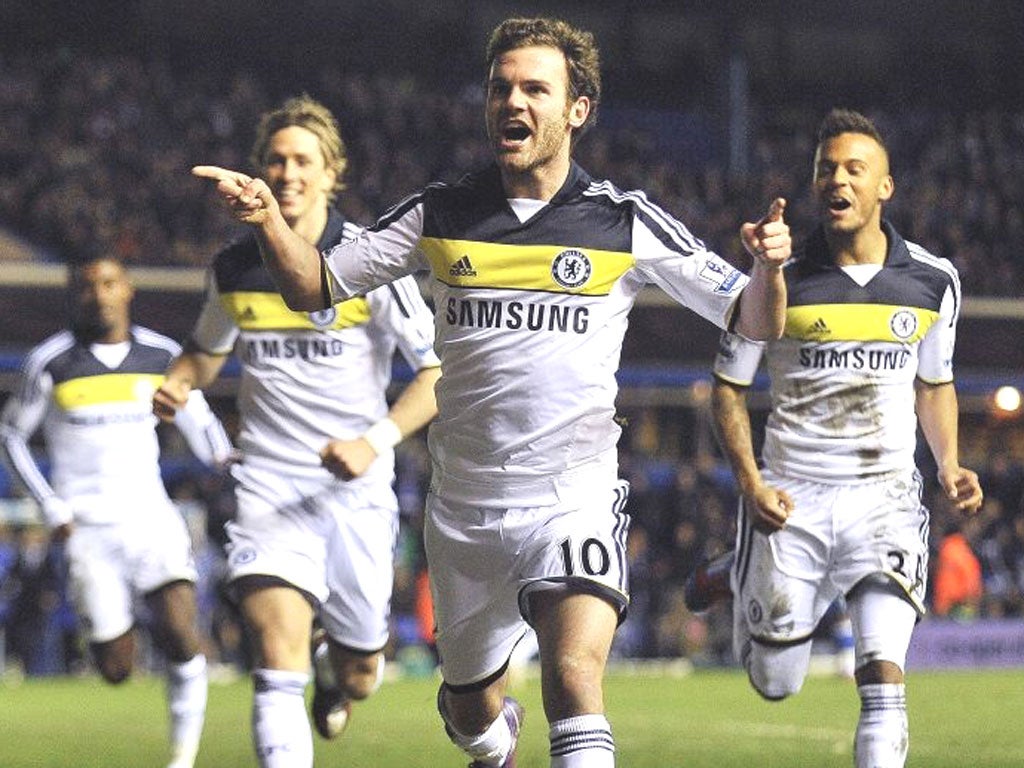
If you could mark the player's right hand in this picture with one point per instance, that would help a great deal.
(771, 508)
(250, 200)
(169, 398)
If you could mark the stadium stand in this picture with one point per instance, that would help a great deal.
(101, 164)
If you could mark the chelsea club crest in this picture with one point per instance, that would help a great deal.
(571, 268)
(903, 324)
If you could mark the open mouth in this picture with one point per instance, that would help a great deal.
(515, 133)
(838, 204)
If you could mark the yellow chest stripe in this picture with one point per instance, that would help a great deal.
(106, 388)
(551, 268)
(858, 322)
(263, 311)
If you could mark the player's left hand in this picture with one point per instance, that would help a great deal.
(963, 489)
(347, 459)
(770, 508)
(768, 240)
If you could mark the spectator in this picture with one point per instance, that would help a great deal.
(957, 586)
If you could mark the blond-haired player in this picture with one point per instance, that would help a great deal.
(317, 517)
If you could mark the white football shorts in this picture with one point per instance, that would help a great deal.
(112, 564)
(330, 539)
(485, 562)
(836, 536)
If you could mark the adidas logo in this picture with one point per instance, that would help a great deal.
(462, 268)
(248, 314)
(819, 327)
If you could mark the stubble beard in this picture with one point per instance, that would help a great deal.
(545, 151)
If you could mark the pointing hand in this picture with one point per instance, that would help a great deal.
(250, 200)
(768, 240)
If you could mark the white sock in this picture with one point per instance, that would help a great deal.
(281, 732)
(882, 737)
(582, 742)
(491, 747)
(186, 701)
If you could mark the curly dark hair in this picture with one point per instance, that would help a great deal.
(579, 47)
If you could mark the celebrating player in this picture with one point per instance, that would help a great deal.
(89, 387)
(837, 510)
(317, 517)
(535, 266)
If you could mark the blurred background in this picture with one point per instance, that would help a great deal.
(709, 107)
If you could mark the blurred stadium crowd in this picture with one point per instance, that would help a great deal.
(95, 152)
(94, 156)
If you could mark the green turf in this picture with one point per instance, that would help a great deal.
(708, 719)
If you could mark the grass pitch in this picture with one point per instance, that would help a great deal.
(661, 719)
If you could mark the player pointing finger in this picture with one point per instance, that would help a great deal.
(854, 526)
(249, 199)
(768, 240)
(776, 209)
(229, 183)
(311, 546)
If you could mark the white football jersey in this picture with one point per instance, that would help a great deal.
(842, 376)
(99, 427)
(309, 377)
(529, 320)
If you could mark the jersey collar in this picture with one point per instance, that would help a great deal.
(575, 182)
(897, 253)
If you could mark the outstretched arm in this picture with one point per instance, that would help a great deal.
(771, 506)
(294, 264)
(762, 309)
(937, 411)
(413, 409)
